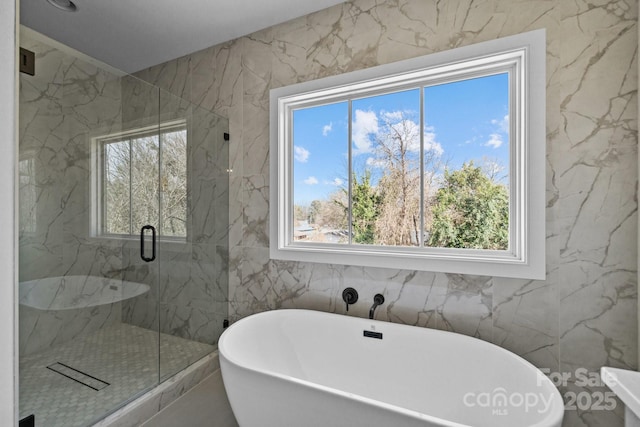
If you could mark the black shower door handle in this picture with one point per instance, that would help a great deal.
(153, 243)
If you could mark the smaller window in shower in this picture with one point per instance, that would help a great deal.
(140, 178)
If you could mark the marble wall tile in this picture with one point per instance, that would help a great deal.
(256, 78)
(42, 329)
(598, 299)
(467, 307)
(173, 77)
(142, 310)
(188, 295)
(207, 198)
(417, 300)
(597, 318)
(209, 156)
(323, 288)
(255, 200)
(40, 143)
(256, 281)
(343, 40)
(217, 85)
(140, 103)
(525, 314)
(49, 259)
(197, 324)
(209, 270)
(217, 76)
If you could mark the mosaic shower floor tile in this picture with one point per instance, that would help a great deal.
(122, 355)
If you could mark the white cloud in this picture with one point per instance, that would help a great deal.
(364, 125)
(376, 163)
(301, 154)
(336, 182)
(434, 147)
(311, 180)
(503, 124)
(392, 115)
(327, 128)
(495, 141)
(430, 143)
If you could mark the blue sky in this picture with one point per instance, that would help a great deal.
(466, 120)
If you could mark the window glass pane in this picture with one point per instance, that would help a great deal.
(385, 153)
(466, 163)
(320, 170)
(133, 192)
(145, 163)
(116, 187)
(173, 183)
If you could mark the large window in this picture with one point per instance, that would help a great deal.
(142, 179)
(434, 163)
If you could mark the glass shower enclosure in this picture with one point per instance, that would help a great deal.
(123, 216)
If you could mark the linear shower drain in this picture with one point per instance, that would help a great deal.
(78, 376)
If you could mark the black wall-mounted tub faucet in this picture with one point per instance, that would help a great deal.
(349, 296)
(377, 300)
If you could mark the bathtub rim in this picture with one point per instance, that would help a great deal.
(553, 417)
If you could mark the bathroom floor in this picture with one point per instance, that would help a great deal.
(120, 360)
(205, 405)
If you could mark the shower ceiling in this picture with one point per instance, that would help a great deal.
(135, 34)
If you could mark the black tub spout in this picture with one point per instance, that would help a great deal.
(377, 300)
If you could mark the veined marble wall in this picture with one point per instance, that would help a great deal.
(584, 314)
(62, 107)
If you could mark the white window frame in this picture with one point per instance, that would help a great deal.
(524, 56)
(97, 200)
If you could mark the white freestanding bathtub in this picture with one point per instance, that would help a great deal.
(305, 368)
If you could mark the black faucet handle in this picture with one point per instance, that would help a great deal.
(349, 296)
(378, 299)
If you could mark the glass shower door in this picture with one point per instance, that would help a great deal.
(123, 247)
(87, 186)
